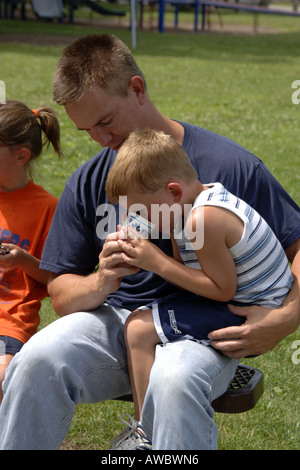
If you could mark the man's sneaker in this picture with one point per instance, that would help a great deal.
(133, 437)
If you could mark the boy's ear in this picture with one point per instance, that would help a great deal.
(176, 190)
(23, 155)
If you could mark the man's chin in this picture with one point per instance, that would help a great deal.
(117, 147)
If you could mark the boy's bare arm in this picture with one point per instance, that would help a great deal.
(216, 280)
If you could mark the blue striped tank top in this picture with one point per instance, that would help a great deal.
(263, 274)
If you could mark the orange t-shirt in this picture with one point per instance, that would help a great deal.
(25, 219)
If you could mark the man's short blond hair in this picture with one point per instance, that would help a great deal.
(100, 60)
(147, 161)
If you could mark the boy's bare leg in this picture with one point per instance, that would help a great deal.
(141, 339)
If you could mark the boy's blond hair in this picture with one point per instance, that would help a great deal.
(146, 162)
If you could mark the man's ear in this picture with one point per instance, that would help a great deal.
(136, 84)
(176, 190)
(23, 156)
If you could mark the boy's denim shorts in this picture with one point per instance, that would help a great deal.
(9, 345)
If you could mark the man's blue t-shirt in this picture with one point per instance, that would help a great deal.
(83, 216)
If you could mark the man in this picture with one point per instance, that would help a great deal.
(81, 357)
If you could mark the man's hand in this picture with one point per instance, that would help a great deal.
(74, 293)
(263, 329)
(112, 267)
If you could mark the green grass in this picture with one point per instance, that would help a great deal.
(236, 85)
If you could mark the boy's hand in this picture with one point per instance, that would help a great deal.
(112, 267)
(140, 252)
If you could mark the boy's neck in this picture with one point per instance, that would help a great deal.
(192, 191)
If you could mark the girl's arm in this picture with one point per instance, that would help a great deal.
(216, 279)
(17, 257)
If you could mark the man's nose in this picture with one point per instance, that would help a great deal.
(100, 135)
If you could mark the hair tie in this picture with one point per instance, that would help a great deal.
(36, 113)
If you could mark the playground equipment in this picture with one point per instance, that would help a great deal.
(46, 9)
(204, 7)
(54, 9)
(94, 6)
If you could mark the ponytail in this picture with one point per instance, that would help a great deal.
(50, 127)
(33, 129)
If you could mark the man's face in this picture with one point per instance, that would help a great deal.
(107, 118)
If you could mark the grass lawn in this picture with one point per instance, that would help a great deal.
(238, 85)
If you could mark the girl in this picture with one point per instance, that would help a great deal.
(26, 211)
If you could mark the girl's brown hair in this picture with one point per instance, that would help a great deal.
(33, 129)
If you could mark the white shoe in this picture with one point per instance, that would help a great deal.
(133, 437)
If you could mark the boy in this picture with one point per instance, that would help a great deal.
(238, 258)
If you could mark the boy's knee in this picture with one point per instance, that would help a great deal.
(134, 318)
(132, 324)
(135, 327)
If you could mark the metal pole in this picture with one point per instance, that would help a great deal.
(133, 23)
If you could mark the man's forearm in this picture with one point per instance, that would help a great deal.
(294, 296)
(72, 293)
